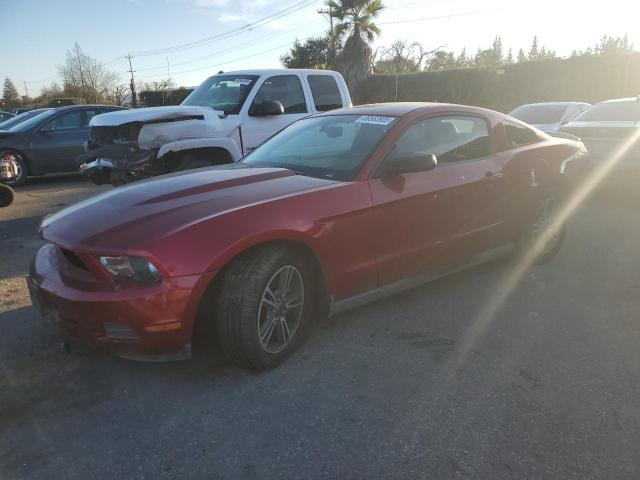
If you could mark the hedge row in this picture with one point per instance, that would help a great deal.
(159, 98)
(586, 78)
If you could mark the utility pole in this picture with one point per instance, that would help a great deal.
(328, 11)
(168, 71)
(25, 89)
(134, 96)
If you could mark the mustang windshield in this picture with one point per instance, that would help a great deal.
(327, 147)
(226, 93)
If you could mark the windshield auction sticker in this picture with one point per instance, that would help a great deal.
(375, 120)
(242, 81)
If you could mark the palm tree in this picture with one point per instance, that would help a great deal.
(355, 20)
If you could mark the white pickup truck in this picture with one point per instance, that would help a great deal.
(219, 122)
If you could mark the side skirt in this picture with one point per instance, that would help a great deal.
(412, 282)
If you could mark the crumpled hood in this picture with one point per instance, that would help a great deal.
(133, 217)
(148, 114)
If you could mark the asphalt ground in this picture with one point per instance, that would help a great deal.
(473, 376)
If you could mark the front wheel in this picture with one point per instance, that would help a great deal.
(264, 307)
(544, 237)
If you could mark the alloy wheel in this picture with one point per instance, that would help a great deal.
(280, 309)
(546, 232)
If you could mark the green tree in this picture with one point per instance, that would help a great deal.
(534, 51)
(313, 53)
(355, 21)
(521, 56)
(613, 45)
(10, 96)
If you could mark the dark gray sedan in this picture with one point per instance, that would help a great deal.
(50, 141)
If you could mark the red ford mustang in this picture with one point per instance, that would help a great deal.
(336, 210)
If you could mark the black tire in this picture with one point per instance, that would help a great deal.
(529, 240)
(7, 195)
(238, 302)
(192, 160)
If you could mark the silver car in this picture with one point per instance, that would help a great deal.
(549, 117)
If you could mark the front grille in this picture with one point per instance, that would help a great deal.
(127, 132)
(73, 259)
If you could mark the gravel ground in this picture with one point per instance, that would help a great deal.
(473, 376)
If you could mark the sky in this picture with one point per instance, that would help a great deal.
(147, 29)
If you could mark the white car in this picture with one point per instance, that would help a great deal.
(219, 122)
(549, 117)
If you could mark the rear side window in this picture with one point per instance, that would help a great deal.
(449, 138)
(285, 89)
(519, 135)
(325, 91)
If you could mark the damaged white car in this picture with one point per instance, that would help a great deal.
(219, 122)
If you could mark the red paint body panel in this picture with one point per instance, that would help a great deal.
(365, 233)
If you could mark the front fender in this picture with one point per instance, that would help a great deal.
(228, 144)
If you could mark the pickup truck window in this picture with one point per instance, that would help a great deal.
(326, 95)
(285, 89)
(225, 93)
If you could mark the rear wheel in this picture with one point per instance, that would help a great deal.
(264, 307)
(7, 195)
(544, 237)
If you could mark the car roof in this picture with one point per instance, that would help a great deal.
(71, 107)
(552, 104)
(398, 109)
(623, 100)
(277, 71)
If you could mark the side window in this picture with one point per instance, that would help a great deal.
(326, 95)
(450, 139)
(572, 112)
(88, 115)
(65, 122)
(519, 135)
(286, 89)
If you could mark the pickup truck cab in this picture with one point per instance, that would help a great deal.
(222, 120)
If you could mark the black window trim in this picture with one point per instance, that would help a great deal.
(521, 145)
(378, 170)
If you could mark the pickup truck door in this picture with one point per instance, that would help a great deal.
(286, 89)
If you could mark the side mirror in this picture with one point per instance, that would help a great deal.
(266, 108)
(409, 163)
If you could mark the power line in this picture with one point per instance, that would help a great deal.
(233, 32)
(251, 42)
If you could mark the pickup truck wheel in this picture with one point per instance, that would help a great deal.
(191, 160)
(264, 307)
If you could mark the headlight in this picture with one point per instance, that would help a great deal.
(135, 268)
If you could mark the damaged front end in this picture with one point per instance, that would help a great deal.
(118, 153)
(113, 156)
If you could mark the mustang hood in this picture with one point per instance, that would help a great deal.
(133, 217)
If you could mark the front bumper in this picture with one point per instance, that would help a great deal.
(153, 322)
(117, 164)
